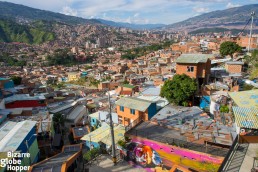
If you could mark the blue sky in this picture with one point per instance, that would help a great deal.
(134, 11)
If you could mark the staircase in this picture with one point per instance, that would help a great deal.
(133, 124)
(234, 164)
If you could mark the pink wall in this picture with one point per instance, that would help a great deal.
(168, 151)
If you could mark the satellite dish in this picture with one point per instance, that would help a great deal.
(242, 131)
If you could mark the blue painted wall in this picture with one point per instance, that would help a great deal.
(64, 79)
(84, 74)
(9, 84)
(87, 144)
(152, 110)
(93, 121)
(3, 117)
(205, 102)
(30, 138)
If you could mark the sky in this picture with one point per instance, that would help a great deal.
(134, 11)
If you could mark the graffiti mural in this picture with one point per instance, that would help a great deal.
(143, 155)
(151, 154)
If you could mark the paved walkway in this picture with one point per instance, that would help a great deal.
(105, 164)
(252, 152)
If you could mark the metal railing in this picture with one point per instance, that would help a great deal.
(226, 162)
(205, 148)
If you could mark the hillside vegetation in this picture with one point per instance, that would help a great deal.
(13, 32)
(18, 12)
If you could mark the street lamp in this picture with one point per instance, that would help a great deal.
(27, 145)
(112, 131)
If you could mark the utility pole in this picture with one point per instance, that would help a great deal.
(251, 28)
(112, 132)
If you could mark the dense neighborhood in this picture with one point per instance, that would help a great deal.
(102, 98)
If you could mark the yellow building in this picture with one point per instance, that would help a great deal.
(73, 76)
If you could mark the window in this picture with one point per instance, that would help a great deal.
(132, 111)
(122, 108)
(41, 101)
(190, 68)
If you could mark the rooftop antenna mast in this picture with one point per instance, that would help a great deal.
(250, 35)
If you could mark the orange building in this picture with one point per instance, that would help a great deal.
(244, 41)
(107, 85)
(184, 47)
(195, 65)
(64, 161)
(133, 110)
(127, 89)
(234, 67)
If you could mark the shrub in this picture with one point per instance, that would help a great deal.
(91, 154)
(121, 143)
(224, 109)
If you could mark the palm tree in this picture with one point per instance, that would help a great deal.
(59, 121)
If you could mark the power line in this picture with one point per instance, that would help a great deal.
(244, 27)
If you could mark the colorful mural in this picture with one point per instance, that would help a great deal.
(143, 155)
(150, 154)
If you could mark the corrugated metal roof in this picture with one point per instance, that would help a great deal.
(12, 134)
(20, 97)
(248, 99)
(194, 58)
(102, 134)
(128, 86)
(134, 103)
(235, 63)
(154, 91)
(246, 117)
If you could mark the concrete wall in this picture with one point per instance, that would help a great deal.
(127, 114)
(171, 155)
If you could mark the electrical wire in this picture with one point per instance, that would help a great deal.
(244, 27)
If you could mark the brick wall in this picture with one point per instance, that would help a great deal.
(233, 68)
(182, 69)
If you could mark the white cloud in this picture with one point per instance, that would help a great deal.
(151, 11)
(201, 9)
(136, 14)
(128, 20)
(52, 5)
(69, 11)
(230, 5)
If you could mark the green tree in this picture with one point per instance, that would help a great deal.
(229, 48)
(59, 121)
(16, 80)
(179, 90)
(126, 82)
(94, 82)
(252, 62)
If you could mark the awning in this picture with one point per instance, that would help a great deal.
(103, 134)
(246, 117)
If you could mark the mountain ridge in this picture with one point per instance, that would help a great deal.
(16, 11)
(232, 18)
(22, 13)
(130, 25)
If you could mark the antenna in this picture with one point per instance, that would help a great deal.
(251, 28)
